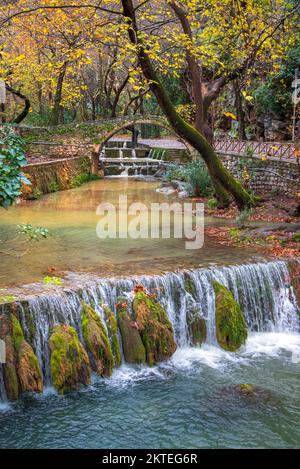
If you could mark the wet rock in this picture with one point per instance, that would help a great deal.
(252, 393)
(112, 327)
(155, 328)
(11, 381)
(294, 270)
(196, 327)
(22, 372)
(231, 327)
(70, 366)
(97, 343)
(133, 348)
(29, 372)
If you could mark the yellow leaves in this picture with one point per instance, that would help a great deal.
(230, 114)
(262, 156)
(247, 96)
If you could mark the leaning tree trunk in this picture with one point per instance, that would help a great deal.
(27, 104)
(216, 170)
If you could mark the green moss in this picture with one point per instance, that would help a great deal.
(11, 382)
(17, 332)
(133, 348)
(296, 238)
(155, 328)
(97, 342)
(112, 327)
(29, 372)
(69, 361)
(231, 327)
(246, 388)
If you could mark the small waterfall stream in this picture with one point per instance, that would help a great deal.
(263, 290)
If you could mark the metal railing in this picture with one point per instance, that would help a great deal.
(285, 151)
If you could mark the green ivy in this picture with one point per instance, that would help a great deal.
(12, 159)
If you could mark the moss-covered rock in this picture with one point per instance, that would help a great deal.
(155, 328)
(196, 327)
(22, 372)
(17, 332)
(97, 343)
(189, 286)
(250, 393)
(70, 366)
(133, 348)
(11, 381)
(29, 372)
(294, 270)
(231, 327)
(112, 327)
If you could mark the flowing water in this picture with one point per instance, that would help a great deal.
(189, 401)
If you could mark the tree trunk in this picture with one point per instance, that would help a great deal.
(2, 113)
(239, 110)
(216, 170)
(58, 95)
(27, 104)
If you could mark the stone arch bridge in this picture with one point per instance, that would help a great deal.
(278, 168)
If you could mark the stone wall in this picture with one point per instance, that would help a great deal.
(53, 176)
(57, 151)
(263, 176)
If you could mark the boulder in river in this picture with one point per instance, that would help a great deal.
(155, 328)
(231, 327)
(22, 372)
(112, 327)
(133, 347)
(96, 340)
(70, 366)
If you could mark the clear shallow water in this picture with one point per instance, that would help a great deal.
(74, 246)
(186, 402)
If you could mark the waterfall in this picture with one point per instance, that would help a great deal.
(263, 290)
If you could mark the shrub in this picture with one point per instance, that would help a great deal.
(212, 203)
(12, 159)
(80, 179)
(198, 179)
(53, 186)
(194, 174)
(242, 219)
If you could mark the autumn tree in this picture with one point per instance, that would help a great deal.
(215, 43)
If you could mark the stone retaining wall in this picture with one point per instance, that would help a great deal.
(263, 176)
(53, 176)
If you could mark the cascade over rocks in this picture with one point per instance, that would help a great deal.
(97, 343)
(146, 323)
(196, 327)
(22, 372)
(155, 328)
(112, 328)
(133, 347)
(69, 362)
(231, 327)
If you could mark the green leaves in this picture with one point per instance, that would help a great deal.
(33, 233)
(12, 159)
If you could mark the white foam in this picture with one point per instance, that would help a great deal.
(272, 344)
(127, 375)
(5, 407)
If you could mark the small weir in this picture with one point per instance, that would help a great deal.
(263, 291)
(121, 158)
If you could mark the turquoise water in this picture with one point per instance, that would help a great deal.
(188, 402)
